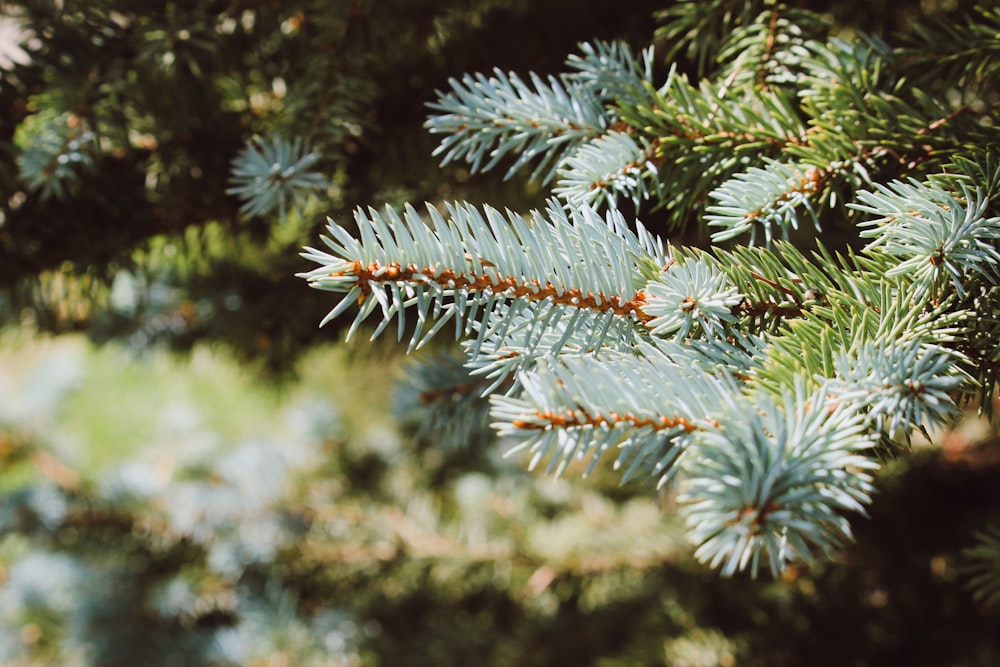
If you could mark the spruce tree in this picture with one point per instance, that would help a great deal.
(761, 266)
(837, 294)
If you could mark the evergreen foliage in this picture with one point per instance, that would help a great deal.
(743, 279)
(188, 148)
(770, 372)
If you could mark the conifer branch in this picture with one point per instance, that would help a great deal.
(981, 566)
(762, 197)
(763, 373)
(468, 264)
(936, 236)
(610, 165)
(488, 118)
(776, 483)
(964, 51)
(584, 407)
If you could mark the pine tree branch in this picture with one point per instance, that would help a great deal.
(468, 264)
(487, 118)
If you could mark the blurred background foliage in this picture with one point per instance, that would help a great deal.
(191, 473)
(122, 120)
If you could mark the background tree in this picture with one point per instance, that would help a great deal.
(163, 167)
